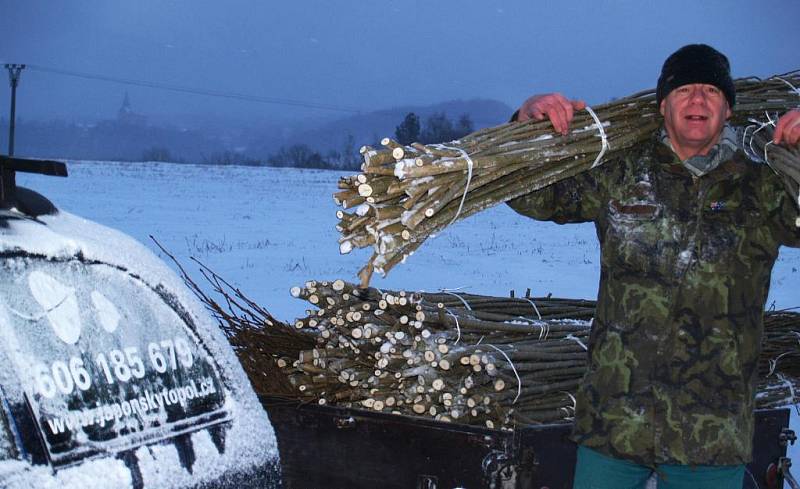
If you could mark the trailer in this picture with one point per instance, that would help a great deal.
(333, 447)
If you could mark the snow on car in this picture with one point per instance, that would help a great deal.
(113, 374)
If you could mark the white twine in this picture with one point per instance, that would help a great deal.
(534, 306)
(577, 340)
(458, 328)
(574, 401)
(544, 331)
(469, 180)
(773, 362)
(789, 385)
(602, 136)
(455, 289)
(796, 90)
(745, 142)
(514, 369)
(758, 125)
(459, 298)
(770, 122)
(574, 406)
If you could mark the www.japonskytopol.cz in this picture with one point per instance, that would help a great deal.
(148, 402)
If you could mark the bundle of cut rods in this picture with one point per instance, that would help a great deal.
(405, 194)
(498, 362)
(784, 160)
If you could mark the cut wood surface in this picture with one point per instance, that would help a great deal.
(498, 362)
(405, 194)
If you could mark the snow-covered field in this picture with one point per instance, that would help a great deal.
(266, 230)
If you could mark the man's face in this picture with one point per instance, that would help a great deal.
(694, 115)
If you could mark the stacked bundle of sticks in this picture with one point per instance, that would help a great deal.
(405, 194)
(476, 359)
(481, 360)
(779, 365)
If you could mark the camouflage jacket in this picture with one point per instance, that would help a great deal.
(685, 273)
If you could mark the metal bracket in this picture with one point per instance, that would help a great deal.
(778, 472)
(427, 482)
(499, 470)
(784, 463)
(345, 423)
(787, 437)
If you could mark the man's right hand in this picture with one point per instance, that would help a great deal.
(788, 129)
(555, 106)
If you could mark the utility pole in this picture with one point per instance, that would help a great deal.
(14, 71)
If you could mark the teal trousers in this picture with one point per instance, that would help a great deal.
(597, 471)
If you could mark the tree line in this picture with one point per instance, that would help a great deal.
(112, 140)
(437, 128)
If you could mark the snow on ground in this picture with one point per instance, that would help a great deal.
(266, 230)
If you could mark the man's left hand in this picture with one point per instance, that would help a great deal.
(787, 130)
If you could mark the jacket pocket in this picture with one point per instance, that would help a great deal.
(724, 234)
(634, 236)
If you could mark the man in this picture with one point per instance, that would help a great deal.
(689, 230)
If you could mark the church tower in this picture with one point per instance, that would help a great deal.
(126, 115)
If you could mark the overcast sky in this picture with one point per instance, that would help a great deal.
(366, 54)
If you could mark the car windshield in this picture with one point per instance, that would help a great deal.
(106, 361)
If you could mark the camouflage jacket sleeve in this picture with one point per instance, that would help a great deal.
(577, 199)
(783, 209)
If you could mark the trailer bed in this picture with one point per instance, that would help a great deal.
(332, 447)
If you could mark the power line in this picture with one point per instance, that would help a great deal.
(196, 91)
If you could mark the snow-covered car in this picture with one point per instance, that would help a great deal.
(111, 372)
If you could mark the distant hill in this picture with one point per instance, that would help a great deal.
(227, 141)
(370, 127)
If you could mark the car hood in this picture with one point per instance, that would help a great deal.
(250, 440)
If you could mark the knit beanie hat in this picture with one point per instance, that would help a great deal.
(696, 63)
